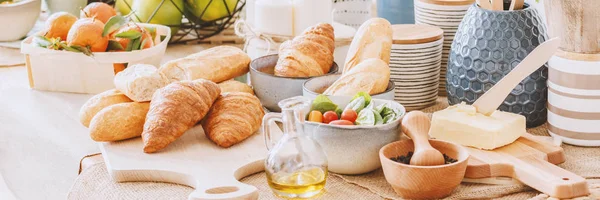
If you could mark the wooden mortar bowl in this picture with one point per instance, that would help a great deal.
(423, 182)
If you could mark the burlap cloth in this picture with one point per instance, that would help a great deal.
(95, 183)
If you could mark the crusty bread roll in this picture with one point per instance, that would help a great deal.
(140, 81)
(216, 64)
(310, 54)
(371, 76)
(235, 86)
(119, 122)
(372, 40)
(99, 102)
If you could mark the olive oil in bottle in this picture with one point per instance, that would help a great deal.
(299, 184)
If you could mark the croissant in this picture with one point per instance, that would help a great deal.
(310, 54)
(176, 108)
(234, 117)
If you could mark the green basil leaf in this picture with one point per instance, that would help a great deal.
(131, 34)
(365, 95)
(113, 24)
(114, 45)
(323, 104)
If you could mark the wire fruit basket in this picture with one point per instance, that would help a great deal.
(198, 22)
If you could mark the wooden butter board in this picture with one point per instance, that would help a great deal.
(531, 161)
(191, 160)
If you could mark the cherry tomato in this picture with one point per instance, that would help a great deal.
(329, 116)
(341, 122)
(315, 116)
(349, 115)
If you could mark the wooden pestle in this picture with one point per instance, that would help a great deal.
(416, 126)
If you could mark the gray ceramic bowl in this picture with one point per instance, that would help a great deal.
(271, 89)
(317, 85)
(355, 149)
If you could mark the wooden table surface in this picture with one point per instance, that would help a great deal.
(41, 139)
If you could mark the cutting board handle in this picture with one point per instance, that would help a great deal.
(549, 178)
(234, 190)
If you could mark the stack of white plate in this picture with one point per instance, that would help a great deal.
(446, 14)
(415, 64)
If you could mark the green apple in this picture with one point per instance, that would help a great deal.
(124, 6)
(168, 14)
(217, 8)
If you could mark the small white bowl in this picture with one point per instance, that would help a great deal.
(19, 17)
(317, 85)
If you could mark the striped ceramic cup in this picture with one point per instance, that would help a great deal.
(574, 98)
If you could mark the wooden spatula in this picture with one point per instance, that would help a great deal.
(485, 4)
(498, 5)
(416, 126)
(516, 4)
(490, 100)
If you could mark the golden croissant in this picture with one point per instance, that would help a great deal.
(234, 117)
(175, 109)
(310, 54)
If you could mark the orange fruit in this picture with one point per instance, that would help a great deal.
(118, 67)
(145, 36)
(88, 33)
(98, 10)
(59, 24)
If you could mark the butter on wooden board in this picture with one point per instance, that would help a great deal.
(462, 124)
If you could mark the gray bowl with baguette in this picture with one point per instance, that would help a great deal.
(271, 89)
(317, 85)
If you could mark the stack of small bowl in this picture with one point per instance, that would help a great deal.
(415, 64)
(446, 14)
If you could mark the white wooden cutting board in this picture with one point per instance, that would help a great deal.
(191, 160)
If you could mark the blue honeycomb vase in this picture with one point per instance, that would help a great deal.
(487, 46)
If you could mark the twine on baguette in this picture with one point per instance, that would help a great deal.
(245, 30)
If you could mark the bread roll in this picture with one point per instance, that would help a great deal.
(235, 86)
(371, 76)
(372, 40)
(139, 82)
(119, 122)
(99, 102)
(310, 54)
(216, 64)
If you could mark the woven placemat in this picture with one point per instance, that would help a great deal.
(95, 183)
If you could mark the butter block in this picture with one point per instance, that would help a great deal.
(462, 124)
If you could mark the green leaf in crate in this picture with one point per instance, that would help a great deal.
(41, 41)
(131, 34)
(114, 45)
(68, 48)
(152, 31)
(113, 24)
(84, 50)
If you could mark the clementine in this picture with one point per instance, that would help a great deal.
(98, 10)
(88, 33)
(145, 36)
(59, 24)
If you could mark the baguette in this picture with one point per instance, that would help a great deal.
(139, 82)
(99, 102)
(372, 40)
(119, 122)
(371, 76)
(216, 64)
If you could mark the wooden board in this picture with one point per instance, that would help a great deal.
(531, 161)
(191, 160)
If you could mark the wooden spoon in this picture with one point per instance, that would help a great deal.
(490, 100)
(516, 5)
(416, 125)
